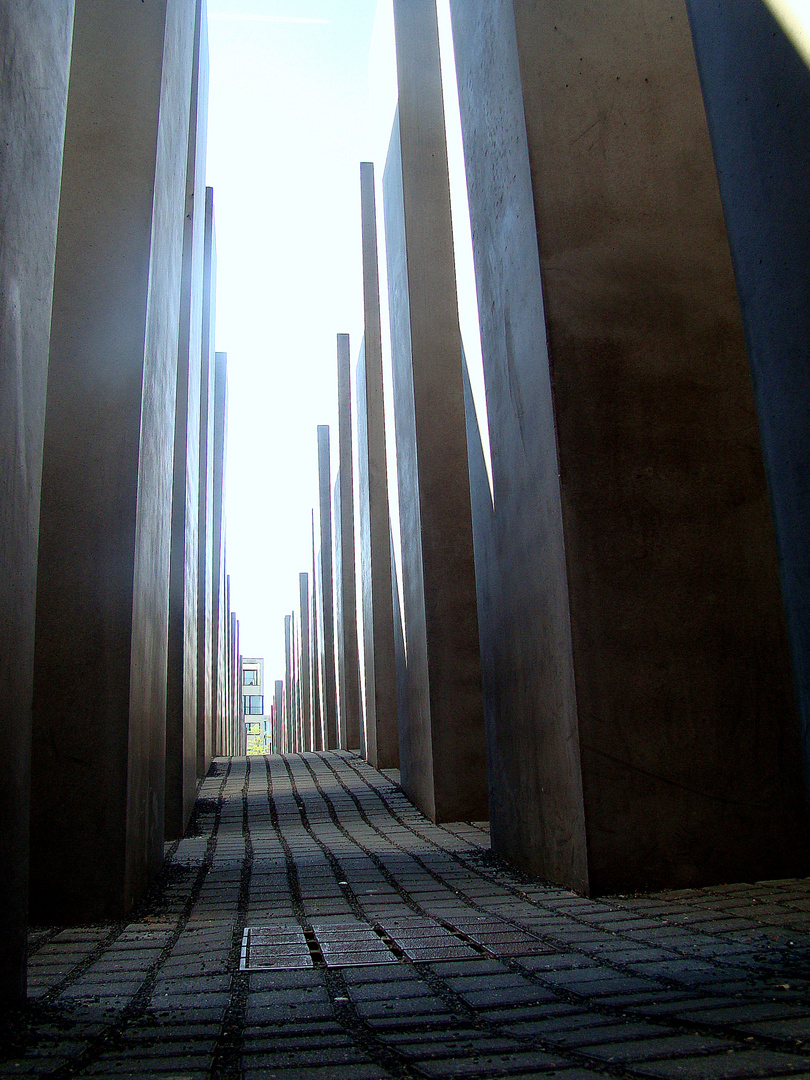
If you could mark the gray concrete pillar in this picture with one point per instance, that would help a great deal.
(634, 650)
(33, 94)
(326, 608)
(278, 717)
(381, 730)
(317, 732)
(206, 497)
(215, 524)
(756, 88)
(105, 521)
(229, 629)
(286, 738)
(339, 640)
(442, 750)
(347, 650)
(299, 726)
(306, 679)
(181, 675)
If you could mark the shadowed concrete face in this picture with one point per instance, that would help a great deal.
(326, 616)
(317, 733)
(100, 664)
(632, 630)
(33, 95)
(184, 639)
(442, 748)
(306, 681)
(757, 93)
(287, 737)
(345, 586)
(215, 501)
(206, 498)
(278, 717)
(382, 736)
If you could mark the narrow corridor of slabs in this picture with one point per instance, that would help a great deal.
(313, 924)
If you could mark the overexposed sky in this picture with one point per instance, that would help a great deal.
(287, 130)
(301, 91)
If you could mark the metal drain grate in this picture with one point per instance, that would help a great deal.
(275, 948)
(342, 942)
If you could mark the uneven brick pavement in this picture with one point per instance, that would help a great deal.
(468, 969)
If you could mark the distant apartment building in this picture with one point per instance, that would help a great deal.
(256, 727)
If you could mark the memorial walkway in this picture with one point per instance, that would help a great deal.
(314, 925)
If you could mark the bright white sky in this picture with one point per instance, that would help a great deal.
(301, 91)
(287, 129)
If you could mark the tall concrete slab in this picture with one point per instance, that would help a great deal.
(349, 659)
(286, 739)
(216, 526)
(296, 683)
(278, 717)
(326, 607)
(340, 658)
(233, 689)
(442, 756)
(102, 628)
(400, 659)
(181, 676)
(306, 680)
(207, 495)
(756, 87)
(317, 732)
(640, 723)
(33, 96)
(381, 730)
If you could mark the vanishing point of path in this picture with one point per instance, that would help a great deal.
(314, 925)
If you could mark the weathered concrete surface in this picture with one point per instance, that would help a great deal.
(632, 626)
(326, 609)
(207, 509)
(216, 528)
(340, 659)
(184, 639)
(344, 541)
(278, 717)
(756, 88)
(314, 659)
(381, 731)
(442, 758)
(286, 738)
(100, 658)
(306, 651)
(36, 39)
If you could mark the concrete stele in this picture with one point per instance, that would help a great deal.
(326, 617)
(344, 542)
(381, 728)
(278, 717)
(317, 733)
(33, 97)
(756, 87)
(636, 673)
(306, 650)
(442, 757)
(215, 528)
(100, 657)
(185, 637)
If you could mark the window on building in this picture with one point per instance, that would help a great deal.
(253, 705)
(250, 677)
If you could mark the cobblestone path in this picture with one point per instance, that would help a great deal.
(314, 925)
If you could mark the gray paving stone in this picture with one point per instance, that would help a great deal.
(606, 991)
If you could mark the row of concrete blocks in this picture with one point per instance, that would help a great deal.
(119, 654)
(594, 649)
(317, 705)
